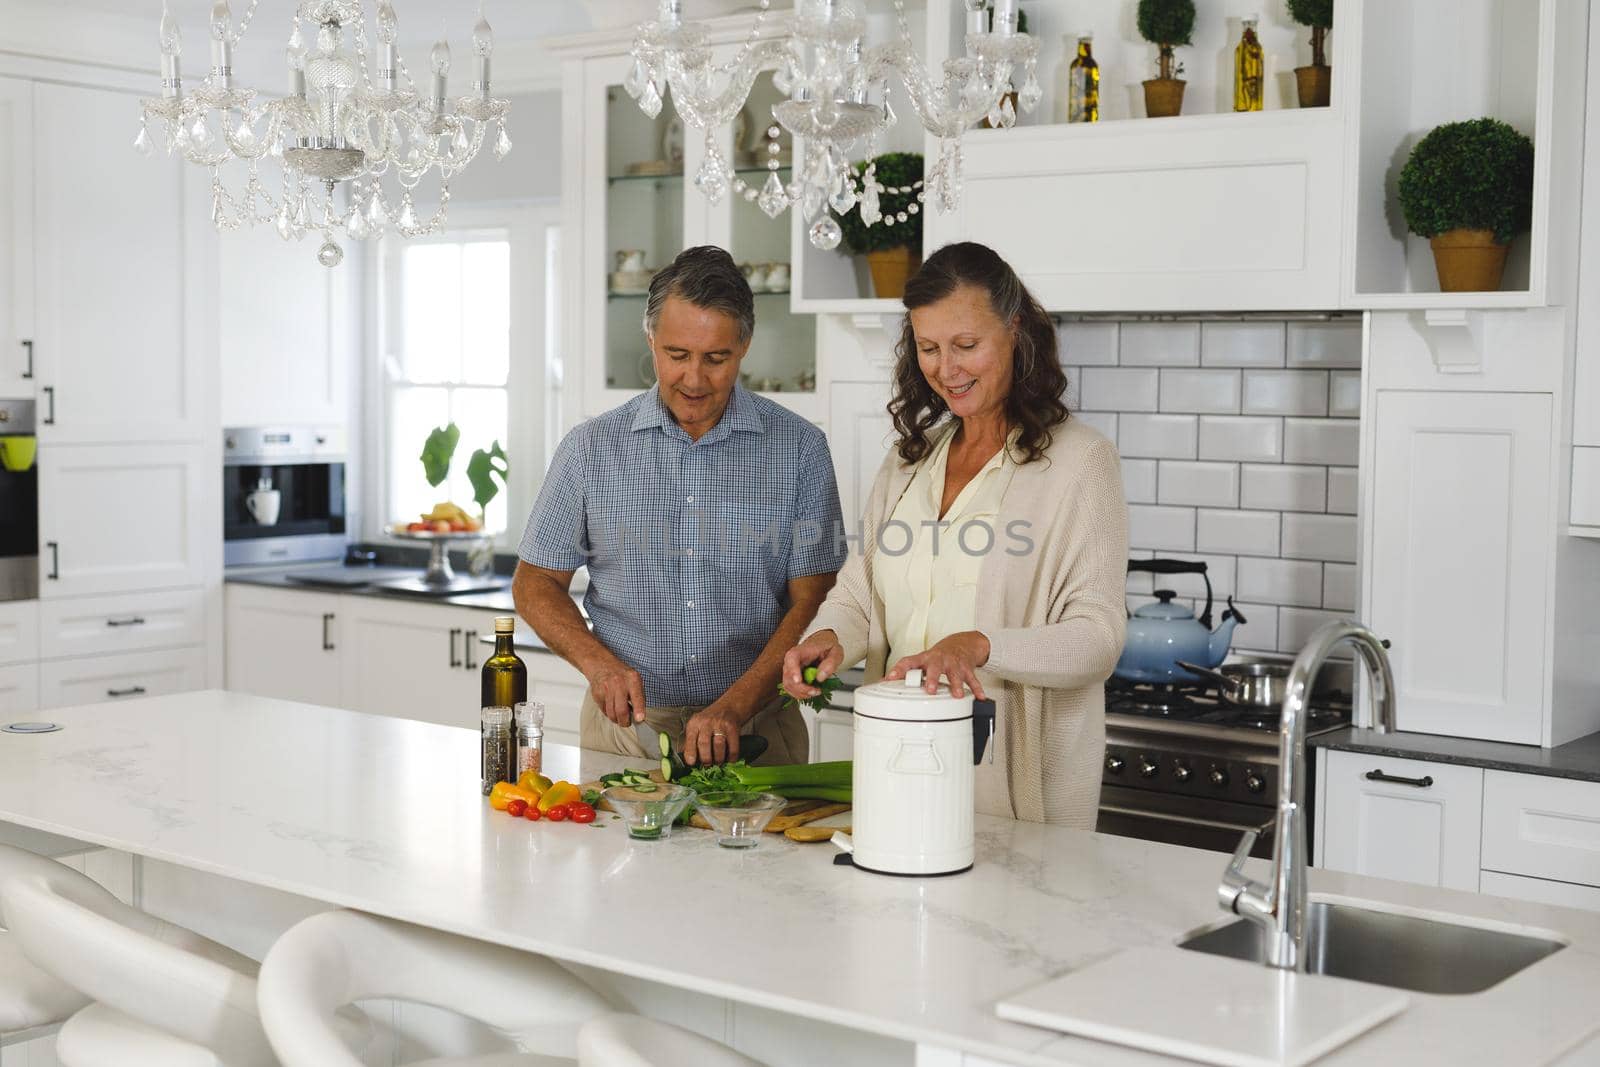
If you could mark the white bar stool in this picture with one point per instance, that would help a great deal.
(338, 957)
(165, 996)
(623, 1040)
(30, 999)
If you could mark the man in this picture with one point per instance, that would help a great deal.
(709, 520)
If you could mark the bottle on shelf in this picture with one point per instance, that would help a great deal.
(505, 676)
(1248, 69)
(1083, 84)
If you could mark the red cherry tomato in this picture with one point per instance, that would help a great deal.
(516, 808)
(558, 813)
(532, 814)
(582, 813)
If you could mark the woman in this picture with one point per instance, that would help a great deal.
(996, 545)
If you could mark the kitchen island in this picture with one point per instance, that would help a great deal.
(384, 815)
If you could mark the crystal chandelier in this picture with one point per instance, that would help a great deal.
(339, 122)
(832, 82)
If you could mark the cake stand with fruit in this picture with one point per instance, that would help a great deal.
(440, 579)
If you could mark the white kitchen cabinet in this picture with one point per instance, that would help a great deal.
(120, 518)
(413, 661)
(16, 237)
(19, 689)
(91, 626)
(1542, 827)
(1409, 820)
(836, 737)
(19, 631)
(560, 687)
(1460, 562)
(860, 435)
(285, 643)
(112, 359)
(286, 345)
(96, 679)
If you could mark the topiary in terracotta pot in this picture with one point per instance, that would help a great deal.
(1165, 24)
(892, 246)
(1316, 81)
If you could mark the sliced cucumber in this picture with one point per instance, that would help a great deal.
(644, 787)
(666, 762)
(666, 745)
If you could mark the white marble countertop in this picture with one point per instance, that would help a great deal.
(385, 815)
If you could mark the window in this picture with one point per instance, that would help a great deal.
(467, 333)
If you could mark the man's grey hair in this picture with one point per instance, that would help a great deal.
(707, 277)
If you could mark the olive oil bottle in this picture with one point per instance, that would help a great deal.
(505, 676)
(1083, 84)
(1248, 69)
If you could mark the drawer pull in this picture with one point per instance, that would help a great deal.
(455, 660)
(327, 644)
(55, 561)
(468, 640)
(134, 621)
(131, 691)
(1394, 779)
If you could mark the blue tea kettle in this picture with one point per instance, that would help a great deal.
(1164, 632)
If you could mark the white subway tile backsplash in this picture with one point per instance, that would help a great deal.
(1296, 625)
(1233, 437)
(1324, 344)
(1201, 391)
(1214, 485)
(1241, 344)
(1120, 388)
(1259, 630)
(1280, 581)
(1344, 393)
(1322, 537)
(1088, 343)
(1271, 487)
(1158, 436)
(1103, 421)
(1160, 527)
(1339, 586)
(1285, 392)
(1253, 533)
(1159, 344)
(1342, 485)
(1139, 480)
(1073, 396)
(1220, 569)
(1335, 442)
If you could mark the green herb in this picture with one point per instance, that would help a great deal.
(482, 471)
(742, 777)
(1474, 175)
(437, 452)
(820, 701)
(591, 797)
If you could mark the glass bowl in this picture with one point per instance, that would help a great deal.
(738, 817)
(648, 813)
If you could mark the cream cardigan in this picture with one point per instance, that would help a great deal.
(1054, 616)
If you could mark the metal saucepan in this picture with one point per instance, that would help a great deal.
(1251, 685)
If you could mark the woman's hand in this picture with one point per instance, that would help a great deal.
(821, 650)
(956, 659)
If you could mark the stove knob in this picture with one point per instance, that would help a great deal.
(1254, 782)
(1219, 777)
(1114, 764)
(1147, 767)
(1181, 771)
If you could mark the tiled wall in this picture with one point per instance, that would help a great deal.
(1239, 447)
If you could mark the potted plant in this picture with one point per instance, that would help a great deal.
(893, 244)
(1165, 24)
(1316, 81)
(1468, 188)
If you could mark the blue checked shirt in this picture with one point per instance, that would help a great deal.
(689, 544)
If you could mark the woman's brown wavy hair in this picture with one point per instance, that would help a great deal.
(1034, 406)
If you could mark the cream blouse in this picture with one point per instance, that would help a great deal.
(929, 590)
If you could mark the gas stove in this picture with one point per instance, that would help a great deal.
(1185, 766)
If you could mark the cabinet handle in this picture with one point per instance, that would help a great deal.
(466, 649)
(55, 561)
(1394, 779)
(327, 645)
(29, 346)
(131, 691)
(135, 621)
(50, 406)
(455, 660)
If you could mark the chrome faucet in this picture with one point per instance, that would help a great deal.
(1280, 907)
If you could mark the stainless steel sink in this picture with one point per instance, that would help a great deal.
(1423, 955)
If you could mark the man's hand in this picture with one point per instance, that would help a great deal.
(619, 691)
(956, 659)
(822, 651)
(711, 736)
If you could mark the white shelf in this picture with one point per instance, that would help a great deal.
(1420, 301)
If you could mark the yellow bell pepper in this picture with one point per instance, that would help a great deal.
(534, 782)
(504, 793)
(559, 793)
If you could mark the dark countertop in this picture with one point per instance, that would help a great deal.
(277, 576)
(1578, 759)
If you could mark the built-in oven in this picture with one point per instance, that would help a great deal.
(283, 494)
(19, 502)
